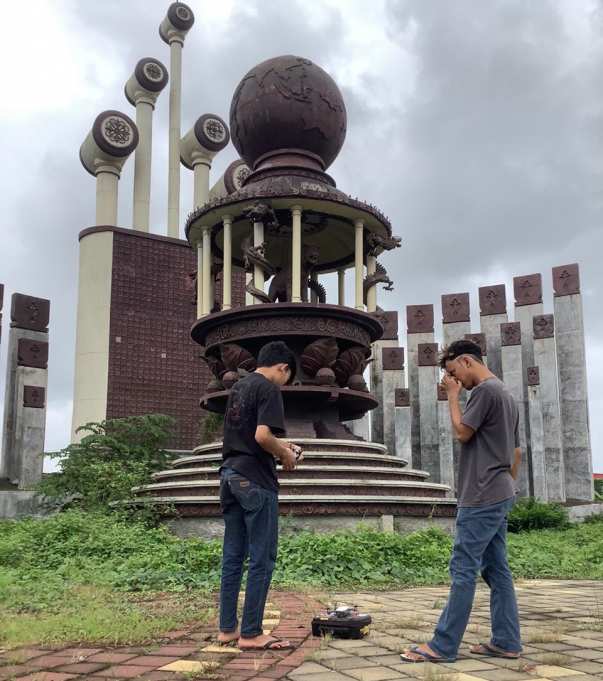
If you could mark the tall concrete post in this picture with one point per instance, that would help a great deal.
(419, 322)
(571, 359)
(540, 490)
(493, 313)
(480, 339)
(113, 138)
(456, 324)
(208, 136)
(173, 29)
(528, 303)
(546, 360)
(393, 379)
(403, 447)
(428, 374)
(514, 380)
(25, 397)
(389, 340)
(445, 442)
(142, 89)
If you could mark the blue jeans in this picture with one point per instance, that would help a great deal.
(251, 529)
(480, 545)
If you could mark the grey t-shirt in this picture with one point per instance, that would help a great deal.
(485, 461)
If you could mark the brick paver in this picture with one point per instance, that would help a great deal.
(562, 629)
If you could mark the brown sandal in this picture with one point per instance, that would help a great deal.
(488, 650)
(273, 644)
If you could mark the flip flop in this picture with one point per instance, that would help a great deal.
(427, 657)
(489, 651)
(273, 644)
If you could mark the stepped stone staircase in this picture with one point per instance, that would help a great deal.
(336, 478)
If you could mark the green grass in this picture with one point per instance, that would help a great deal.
(91, 577)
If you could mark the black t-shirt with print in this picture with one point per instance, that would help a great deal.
(253, 401)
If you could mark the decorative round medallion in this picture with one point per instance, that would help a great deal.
(214, 129)
(235, 175)
(117, 131)
(153, 71)
(151, 74)
(212, 132)
(183, 12)
(181, 16)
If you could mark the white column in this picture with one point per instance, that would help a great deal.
(201, 170)
(371, 296)
(296, 255)
(207, 303)
(227, 266)
(199, 279)
(445, 447)
(537, 431)
(258, 240)
(402, 425)
(341, 287)
(174, 139)
(142, 165)
(490, 327)
(377, 387)
(428, 408)
(106, 196)
(358, 263)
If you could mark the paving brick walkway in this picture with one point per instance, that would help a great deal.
(562, 628)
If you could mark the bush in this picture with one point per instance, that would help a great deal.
(113, 457)
(598, 489)
(531, 514)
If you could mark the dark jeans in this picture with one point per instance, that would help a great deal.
(251, 529)
(480, 545)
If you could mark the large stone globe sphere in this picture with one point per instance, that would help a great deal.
(287, 103)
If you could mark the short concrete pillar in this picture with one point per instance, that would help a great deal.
(25, 397)
(296, 253)
(387, 523)
(571, 359)
(206, 271)
(428, 374)
(514, 378)
(493, 313)
(393, 379)
(546, 361)
(419, 322)
(177, 22)
(114, 136)
(142, 90)
(480, 339)
(358, 264)
(403, 448)
(539, 475)
(341, 287)
(445, 442)
(389, 340)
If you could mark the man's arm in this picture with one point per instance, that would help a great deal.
(279, 449)
(516, 463)
(462, 432)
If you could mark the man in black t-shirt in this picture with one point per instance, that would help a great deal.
(249, 494)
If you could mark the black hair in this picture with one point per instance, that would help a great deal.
(458, 348)
(277, 352)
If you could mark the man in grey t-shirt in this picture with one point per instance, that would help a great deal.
(488, 466)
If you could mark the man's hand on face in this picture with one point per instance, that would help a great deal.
(451, 385)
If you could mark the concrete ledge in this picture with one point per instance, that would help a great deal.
(20, 504)
(213, 528)
(305, 499)
(578, 514)
(308, 455)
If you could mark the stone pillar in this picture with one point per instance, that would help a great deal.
(573, 394)
(393, 379)
(173, 29)
(480, 339)
(537, 432)
(198, 148)
(428, 374)
(513, 372)
(258, 240)
(341, 287)
(546, 361)
(296, 254)
(445, 442)
(199, 278)
(403, 448)
(419, 320)
(528, 303)
(358, 264)
(25, 396)
(389, 341)
(371, 294)
(206, 272)
(493, 313)
(142, 89)
(227, 267)
(456, 324)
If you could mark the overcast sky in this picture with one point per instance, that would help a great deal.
(476, 126)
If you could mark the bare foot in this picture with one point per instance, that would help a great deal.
(228, 636)
(264, 642)
(415, 656)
